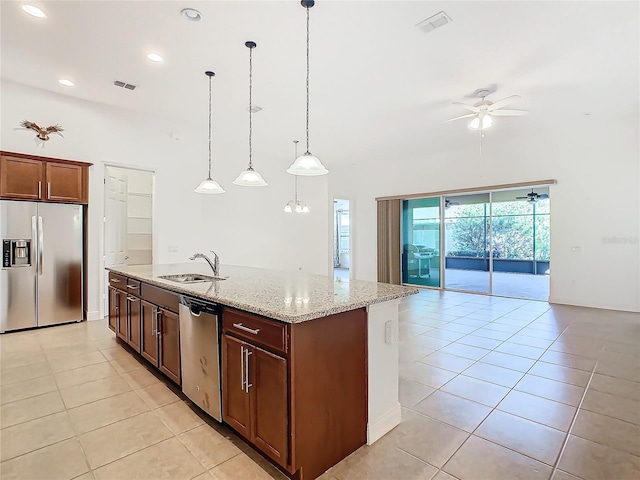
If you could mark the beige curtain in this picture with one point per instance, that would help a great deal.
(389, 241)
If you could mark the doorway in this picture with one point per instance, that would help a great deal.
(493, 243)
(128, 218)
(341, 239)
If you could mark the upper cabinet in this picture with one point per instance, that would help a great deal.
(28, 177)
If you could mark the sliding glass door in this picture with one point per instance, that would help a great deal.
(492, 242)
(467, 239)
(421, 242)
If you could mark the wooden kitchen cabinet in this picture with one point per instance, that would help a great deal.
(113, 307)
(254, 396)
(169, 334)
(122, 325)
(235, 401)
(149, 321)
(269, 409)
(133, 314)
(30, 177)
(21, 178)
(65, 183)
(142, 316)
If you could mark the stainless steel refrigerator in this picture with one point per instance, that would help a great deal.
(42, 264)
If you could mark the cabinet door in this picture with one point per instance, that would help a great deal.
(169, 327)
(133, 312)
(122, 325)
(21, 178)
(113, 308)
(269, 410)
(149, 319)
(235, 399)
(65, 183)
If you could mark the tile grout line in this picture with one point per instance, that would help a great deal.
(573, 420)
(493, 409)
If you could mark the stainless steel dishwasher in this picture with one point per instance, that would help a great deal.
(199, 354)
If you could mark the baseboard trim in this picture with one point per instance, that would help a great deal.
(568, 301)
(384, 424)
(94, 315)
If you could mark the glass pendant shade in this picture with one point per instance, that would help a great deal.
(250, 178)
(210, 187)
(287, 208)
(307, 165)
(485, 119)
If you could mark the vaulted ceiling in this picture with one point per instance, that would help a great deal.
(379, 85)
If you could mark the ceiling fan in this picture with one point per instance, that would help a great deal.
(533, 197)
(484, 110)
(448, 203)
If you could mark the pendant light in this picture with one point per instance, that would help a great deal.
(209, 186)
(307, 164)
(296, 205)
(249, 177)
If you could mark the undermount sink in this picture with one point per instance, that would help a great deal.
(190, 278)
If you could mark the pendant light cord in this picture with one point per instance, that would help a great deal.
(250, 106)
(295, 182)
(307, 81)
(209, 177)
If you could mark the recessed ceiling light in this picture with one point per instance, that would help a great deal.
(191, 14)
(154, 57)
(34, 11)
(66, 82)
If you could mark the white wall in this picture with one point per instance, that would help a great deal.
(244, 226)
(595, 205)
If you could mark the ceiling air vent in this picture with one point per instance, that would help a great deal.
(436, 21)
(128, 86)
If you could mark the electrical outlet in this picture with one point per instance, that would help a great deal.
(173, 248)
(390, 332)
(576, 248)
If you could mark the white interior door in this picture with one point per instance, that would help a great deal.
(115, 221)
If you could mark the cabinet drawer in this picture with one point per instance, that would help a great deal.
(257, 330)
(118, 281)
(133, 286)
(160, 296)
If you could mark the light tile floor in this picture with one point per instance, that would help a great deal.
(491, 388)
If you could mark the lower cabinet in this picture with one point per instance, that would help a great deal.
(122, 327)
(151, 330)
(169, 334)
(254, 393)
(149, 321)
(133, 312)
(113, 308)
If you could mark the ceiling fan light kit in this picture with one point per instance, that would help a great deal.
(482, 112)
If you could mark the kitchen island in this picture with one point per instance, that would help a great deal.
(317, 358)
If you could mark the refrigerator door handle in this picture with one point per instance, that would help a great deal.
(40, 244)
(34, 235)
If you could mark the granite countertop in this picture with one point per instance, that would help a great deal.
(288, 296)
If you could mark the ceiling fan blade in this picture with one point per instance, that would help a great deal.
(503, 103)
(469, 115)
(543, 196)
(521, 198)
(468, 107)
(509, 113)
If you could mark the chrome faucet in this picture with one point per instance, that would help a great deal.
(215, 265)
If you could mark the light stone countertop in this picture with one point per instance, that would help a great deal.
(288, 296)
